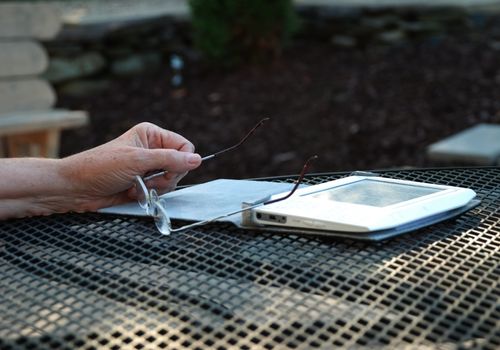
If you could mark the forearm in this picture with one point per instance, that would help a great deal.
(97, 178)
(30, 187)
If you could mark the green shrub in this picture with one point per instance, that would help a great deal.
(231, 31)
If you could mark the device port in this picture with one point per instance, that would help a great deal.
(271, 217)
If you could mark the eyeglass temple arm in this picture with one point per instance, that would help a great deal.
(258, 125)
(264, 201)
(204, 222)
(305, 168)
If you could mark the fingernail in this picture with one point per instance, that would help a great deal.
(194, 159)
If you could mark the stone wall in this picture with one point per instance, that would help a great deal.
(84, 58)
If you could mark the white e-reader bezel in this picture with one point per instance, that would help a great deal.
(304, 210)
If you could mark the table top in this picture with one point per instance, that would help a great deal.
(113, 282)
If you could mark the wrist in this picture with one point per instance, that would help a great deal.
(32, 187)
(74, 195)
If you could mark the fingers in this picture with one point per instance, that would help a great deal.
(170, 139)
(153, 136)
(165, 183)
(161, 149)
(171, 160)
(161, 184)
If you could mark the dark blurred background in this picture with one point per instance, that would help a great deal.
(362, 86)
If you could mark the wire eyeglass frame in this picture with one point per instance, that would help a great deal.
(155, 206)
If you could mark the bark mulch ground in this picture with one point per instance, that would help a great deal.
(357, 108)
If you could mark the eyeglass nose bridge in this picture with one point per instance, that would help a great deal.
(161, 217)
(153, 197)
(150, 201)
(146, 198)
(143, 196)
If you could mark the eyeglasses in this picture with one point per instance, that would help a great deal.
(150, 201)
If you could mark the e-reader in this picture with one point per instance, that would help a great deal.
(363, 204)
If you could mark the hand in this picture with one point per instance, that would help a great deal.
(103, 176)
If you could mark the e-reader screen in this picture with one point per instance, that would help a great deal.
(374, 193)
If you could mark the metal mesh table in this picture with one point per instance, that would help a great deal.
(95, 281)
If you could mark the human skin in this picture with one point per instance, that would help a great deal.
(99, 177)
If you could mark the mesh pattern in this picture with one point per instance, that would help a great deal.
(93, 281)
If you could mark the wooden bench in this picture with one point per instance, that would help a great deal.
(29, 126)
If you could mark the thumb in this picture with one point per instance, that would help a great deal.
(171, 160)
